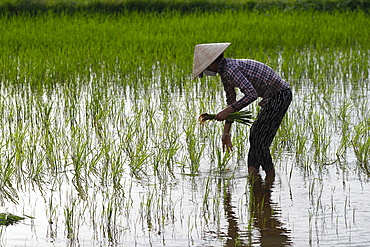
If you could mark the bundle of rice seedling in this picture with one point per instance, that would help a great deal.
(243, 117)
(9, 219)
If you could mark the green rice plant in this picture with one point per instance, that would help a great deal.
(194, 147)
(51, 211)
(195, 151)
(216, 202)
(240, 141)
(134, 143)
(361, 142)
(17, 143)
(146, 207)
(117, 169)
(165, 156)
(284, 137)
(300, 139)
(71, 216)
(158, 160)
(37, 171)
(138, 159)
(110, 227)
(171, 151)
(9, 219)
(344, 117)
(321, 138)
(222, 160)
(251, 203)
(206, 196)
(7, 191)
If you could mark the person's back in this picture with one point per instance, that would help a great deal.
(244, 73)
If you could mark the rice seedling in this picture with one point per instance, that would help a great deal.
(321, 140)
(9, 219)
(7, 191)
(361, 143)
(345, 127)
(222, 161)
(71, 216)
(243, 117)
(206, 196)
(195, 149)
(110, 228)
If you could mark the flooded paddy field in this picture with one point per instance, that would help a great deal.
(101, 144)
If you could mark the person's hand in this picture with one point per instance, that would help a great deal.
(226, 143)
(222, 115)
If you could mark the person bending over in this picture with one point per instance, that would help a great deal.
(254, 79)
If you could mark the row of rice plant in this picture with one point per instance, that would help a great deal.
(80, 47)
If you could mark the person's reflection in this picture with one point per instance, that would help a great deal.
(266, 214)
(233, 234)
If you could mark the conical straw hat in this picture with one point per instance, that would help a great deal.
(205, 55)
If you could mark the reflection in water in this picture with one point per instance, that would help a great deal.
(264, 214)
(234, 237)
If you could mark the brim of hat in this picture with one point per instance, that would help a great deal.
(205, 55)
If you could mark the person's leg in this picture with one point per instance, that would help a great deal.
(258, 153)
(254, 155)
(264, 129)
(252, 171)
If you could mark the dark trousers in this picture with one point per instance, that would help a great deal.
(264, 129)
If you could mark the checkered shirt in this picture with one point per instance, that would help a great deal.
(254, 79)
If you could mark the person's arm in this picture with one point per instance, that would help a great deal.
(222, 115)
(226, 138)
(245, 86)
